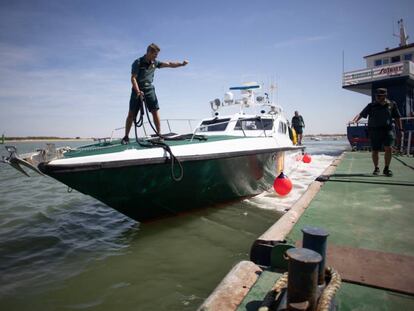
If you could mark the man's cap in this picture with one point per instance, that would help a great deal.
(381, 91)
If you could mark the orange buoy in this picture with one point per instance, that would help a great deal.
(282, 184)
(306, 158)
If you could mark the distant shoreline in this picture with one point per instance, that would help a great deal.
(29, 139)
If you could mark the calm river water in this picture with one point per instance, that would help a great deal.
(67, 251)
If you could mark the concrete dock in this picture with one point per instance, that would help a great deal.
(371, 238)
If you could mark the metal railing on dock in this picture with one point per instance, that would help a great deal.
(407, 149)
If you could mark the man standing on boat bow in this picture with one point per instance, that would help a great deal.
(380, 130)
(142, 76)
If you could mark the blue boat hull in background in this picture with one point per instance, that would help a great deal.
(358, 136)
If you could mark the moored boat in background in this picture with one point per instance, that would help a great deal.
(392, 69)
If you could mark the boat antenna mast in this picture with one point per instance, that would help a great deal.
(272, 89)
(403, 36)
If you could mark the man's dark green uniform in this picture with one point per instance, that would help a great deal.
(380, 127)
(144, 71)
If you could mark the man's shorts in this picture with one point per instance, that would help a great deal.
(298, 130)
(380, 137)
(150, 100)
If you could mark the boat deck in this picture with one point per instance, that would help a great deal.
(371, 236)
(116, 146)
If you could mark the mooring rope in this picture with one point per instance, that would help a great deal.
(324, 301)
(151, 144)
(281, 283)
(273, 294)
(330, 290)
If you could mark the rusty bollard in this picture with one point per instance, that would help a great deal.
(303, 279)
(316, 239)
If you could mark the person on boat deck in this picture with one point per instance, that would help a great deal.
(142, 76)
(380, 129)
(298, 124)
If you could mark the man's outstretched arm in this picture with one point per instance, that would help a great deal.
(356, 119)
(173, 64)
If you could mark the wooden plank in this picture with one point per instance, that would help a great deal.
(382, 270)
(233, 288)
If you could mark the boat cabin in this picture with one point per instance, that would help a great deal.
(255, 115)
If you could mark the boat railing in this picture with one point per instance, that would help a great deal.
(185, 126)
(188, 123)
(114, 131)
(403, 68)
(408, 130)
(359, 123)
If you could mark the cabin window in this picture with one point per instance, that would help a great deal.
(408, 56)
(378, 62)
(385, 61)
(254, 124)
(282, 127)
(214, 125)
(395, 59)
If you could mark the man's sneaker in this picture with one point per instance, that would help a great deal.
(376, 171)
(387, 172)
(125, 140)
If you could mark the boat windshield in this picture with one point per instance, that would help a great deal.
(214, 125)
(254, 124)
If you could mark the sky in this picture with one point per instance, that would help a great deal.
(65, 64)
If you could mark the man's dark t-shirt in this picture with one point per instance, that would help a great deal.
(144, 71)
(297, 121)
(380, 116)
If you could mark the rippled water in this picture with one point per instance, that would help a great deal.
(67, 251)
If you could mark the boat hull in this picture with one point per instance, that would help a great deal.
(147, 191)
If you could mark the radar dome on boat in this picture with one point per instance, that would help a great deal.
(228, 97)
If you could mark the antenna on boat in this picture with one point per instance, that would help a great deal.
(272, 89)
(403, 36)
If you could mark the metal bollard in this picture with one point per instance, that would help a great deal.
(315, 239)
(303, 278)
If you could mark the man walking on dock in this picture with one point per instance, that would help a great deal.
(380, 114)
(142, 76)
(298, 124)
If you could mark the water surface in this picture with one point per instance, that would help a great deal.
(68, 251)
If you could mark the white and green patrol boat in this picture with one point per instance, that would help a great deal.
(228, 156)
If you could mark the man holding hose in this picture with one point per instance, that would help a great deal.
(142, 76)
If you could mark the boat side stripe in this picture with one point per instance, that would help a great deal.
(56, 168)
